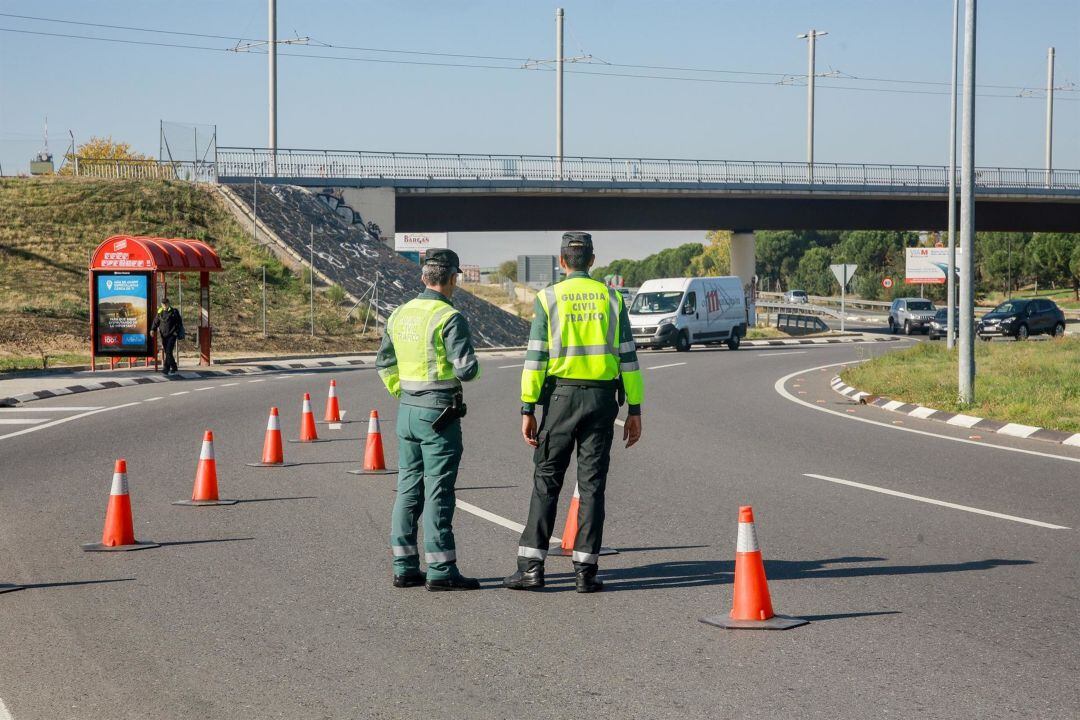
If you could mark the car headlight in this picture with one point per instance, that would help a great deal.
(666, 321)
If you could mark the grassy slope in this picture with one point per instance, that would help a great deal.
(1033, 383)
(51, 225)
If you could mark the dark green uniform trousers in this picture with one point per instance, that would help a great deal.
(578, 416)
(427, 473)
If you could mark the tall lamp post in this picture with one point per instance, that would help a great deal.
(966, 380)
(811, 38)
(950, 329)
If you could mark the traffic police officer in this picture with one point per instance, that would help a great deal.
(581, 357)
(426, 353)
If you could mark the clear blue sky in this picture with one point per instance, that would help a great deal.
(97, 88)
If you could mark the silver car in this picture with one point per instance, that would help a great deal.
(796, 297)
(911, 314)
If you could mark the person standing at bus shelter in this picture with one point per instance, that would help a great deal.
(170, 327)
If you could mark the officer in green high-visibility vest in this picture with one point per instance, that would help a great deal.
(580, 365)
(425, 355)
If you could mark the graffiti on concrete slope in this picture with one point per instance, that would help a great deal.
(334, 198)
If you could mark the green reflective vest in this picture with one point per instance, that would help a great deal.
(422, 364)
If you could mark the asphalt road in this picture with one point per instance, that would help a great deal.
(281, 606)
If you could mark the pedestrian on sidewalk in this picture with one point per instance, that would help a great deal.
(580, 365)
(170, 327)
(425, 355)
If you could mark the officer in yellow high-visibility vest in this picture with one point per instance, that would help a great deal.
(581, 359)
(425, 355)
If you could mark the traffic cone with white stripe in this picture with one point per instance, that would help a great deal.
(205, 491)
(119, 532)
(570, 530)
(334, 416)
(272, 455)
(307, 424)
(751, 607)
(374, 461)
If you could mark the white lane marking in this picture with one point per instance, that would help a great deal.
(182, 392)
(922, 412)
(620, 423)
(229, 384)
(22, 421)
(54, 408)
(69, 418)
(658, 367)
(492, 517)
(892, 405)
(942, 503)
(208, 387)
(159, 397)
(963, 420)
(504, 367)
(259, 380)
(775, 354)
(4, 713)
(1018, 430)
(778, 386)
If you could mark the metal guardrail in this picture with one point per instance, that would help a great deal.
(358, 164)
(774, 308)
(196, 171)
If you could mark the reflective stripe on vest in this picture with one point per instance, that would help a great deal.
(416, 330)
(583, 329)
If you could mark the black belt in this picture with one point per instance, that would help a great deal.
(575, 382)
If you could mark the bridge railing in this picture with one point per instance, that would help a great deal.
(356, 164)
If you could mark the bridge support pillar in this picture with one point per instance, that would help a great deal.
(743, 255)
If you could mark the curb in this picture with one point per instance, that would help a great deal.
(956, 419)
(817, 341)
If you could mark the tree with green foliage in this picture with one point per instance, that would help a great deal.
(1052, 254)
(670, 262)
(715, 259)
(813, 274)
(507, 270)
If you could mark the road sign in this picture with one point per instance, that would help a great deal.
(886, 283)
(843, 273)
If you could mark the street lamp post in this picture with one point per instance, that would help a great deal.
(811, 38)
(966, 380)
(271, 53)
(559, 92)
(1049, 115)
(950, 341)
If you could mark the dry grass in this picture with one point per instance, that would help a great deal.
(51, 225)
(1032, 383)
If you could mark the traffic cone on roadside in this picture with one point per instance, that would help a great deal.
(374, 462)
(333, 416)
(272, 455)
(205, 491)
(570, 530)
(751, 606)
(119, 532)
(307, 423)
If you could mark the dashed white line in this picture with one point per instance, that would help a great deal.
(59, 421)
(660, 367)
(22, 421)
(504, 367)
(159, 397)
(492, 517)
(259, 380)
(942, 503)
(54, 408)
(182, 392)
(4, 713)
(229, 384)
(775, 354)
(209, 387)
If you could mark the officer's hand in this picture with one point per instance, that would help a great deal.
(528, 429)
(632, 429)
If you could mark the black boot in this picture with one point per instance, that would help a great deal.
(531, 579)
(458, 582)
(414, 578)
(586, 579)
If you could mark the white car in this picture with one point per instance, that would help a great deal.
(796, 297)
(680, 312)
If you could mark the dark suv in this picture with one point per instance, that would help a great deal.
(1020, 318)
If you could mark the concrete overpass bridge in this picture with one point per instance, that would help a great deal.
(416, 192)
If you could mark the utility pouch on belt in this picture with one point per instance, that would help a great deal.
(620, 393)
(545, 391)
(450, 413)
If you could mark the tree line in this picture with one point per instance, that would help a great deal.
(788, 259)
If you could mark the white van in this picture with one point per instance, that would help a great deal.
(680, 312)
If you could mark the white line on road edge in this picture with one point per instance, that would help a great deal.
(789, 352)
(259, 380)
(229, 384)
(182, 392)
(22, 421)
(159, 397)
(208, 387)
(69, 418)
(55, 408)
(779, 388)
(657, 367)
(504, 367)
(492, 517)
(942, 503)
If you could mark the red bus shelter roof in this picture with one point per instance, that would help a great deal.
(129, 252)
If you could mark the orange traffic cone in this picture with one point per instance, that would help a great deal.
(119, 532)
(570, 530)
(334, 417)
(272, 455)
(206, 490)
(374, 462)
(752, 606)
(307, 424)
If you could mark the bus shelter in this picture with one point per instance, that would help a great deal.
(127, 276)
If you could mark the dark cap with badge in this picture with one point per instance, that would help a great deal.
(443, 258)
(577, 239)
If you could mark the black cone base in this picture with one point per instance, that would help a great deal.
(776, 622)
(272, 465)
(99, 547)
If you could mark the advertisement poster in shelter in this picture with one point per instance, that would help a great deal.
(121, 311)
